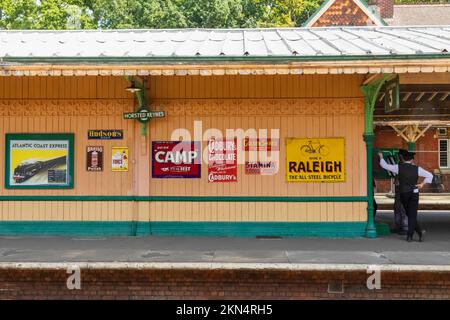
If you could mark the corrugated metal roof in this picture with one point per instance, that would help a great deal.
(227, 43)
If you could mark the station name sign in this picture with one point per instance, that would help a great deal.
(144, 115)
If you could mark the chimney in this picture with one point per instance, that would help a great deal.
(385, 7)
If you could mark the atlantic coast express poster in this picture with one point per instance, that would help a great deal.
(41, 161)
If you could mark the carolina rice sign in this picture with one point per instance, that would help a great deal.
(315, 159)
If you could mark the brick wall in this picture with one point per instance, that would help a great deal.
(426, 148)
(343, 13)
(385, 7)
(219, 284)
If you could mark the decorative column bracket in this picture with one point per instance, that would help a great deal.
(371, 89)
(141, 96)
(410, 132)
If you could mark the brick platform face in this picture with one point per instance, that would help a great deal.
(220, 284)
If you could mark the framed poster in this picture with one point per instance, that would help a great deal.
(94, 158)
(119, 159)
(176, 159)
(315, 160)
(39, 161)
(222, 160)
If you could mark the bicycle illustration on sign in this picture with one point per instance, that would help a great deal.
(314, 148)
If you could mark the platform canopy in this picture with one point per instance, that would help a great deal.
(227, 51)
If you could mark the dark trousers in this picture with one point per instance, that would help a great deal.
(410, 201)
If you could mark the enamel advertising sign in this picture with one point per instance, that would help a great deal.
(176, 159)
(263, 168)
(119, 159)
(94, 158)
(222, 160)
(261, 144)
(315, 159)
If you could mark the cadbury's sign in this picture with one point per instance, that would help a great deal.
(176, 159)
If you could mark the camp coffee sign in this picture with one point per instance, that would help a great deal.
(176, 159)
(315, 159)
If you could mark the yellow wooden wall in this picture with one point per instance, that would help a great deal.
(300, 105)
(75, 105)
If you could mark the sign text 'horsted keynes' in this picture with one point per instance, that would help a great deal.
(176, 159)
(315, 159)
(144, 115)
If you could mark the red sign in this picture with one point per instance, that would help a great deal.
(176, 159)
(261, 144)
(222, 160)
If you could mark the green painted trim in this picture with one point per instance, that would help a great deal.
(185, 198)
(207, 60)
(411, 146)
(163, 228)
(66, 228)
(41, 136)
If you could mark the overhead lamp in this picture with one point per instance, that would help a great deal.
(133, 88)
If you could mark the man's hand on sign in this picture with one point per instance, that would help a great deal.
(380, 154)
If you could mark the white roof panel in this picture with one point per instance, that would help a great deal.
(198, 43)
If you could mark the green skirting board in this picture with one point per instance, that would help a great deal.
(163, 228)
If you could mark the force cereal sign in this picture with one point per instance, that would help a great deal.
(176, 159)
(222, 160)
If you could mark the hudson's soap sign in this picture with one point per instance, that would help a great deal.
(315, 159)
(176, 159)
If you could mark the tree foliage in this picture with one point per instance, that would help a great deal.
(127, 14)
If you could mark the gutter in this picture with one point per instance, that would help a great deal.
(207, 60)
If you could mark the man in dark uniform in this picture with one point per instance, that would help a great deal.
(408, 175)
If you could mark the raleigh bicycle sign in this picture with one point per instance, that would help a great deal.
(143, 115)
(315, 159)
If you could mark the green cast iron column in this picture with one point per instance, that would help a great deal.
(371, 230)
(370, 91)
(411, 146)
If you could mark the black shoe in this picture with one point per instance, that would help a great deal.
(421, 236)
(409, 238)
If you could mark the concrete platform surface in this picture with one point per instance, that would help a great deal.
(390, 250)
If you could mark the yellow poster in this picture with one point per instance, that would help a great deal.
(315, 159)
(39, 160)
(119, 159)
